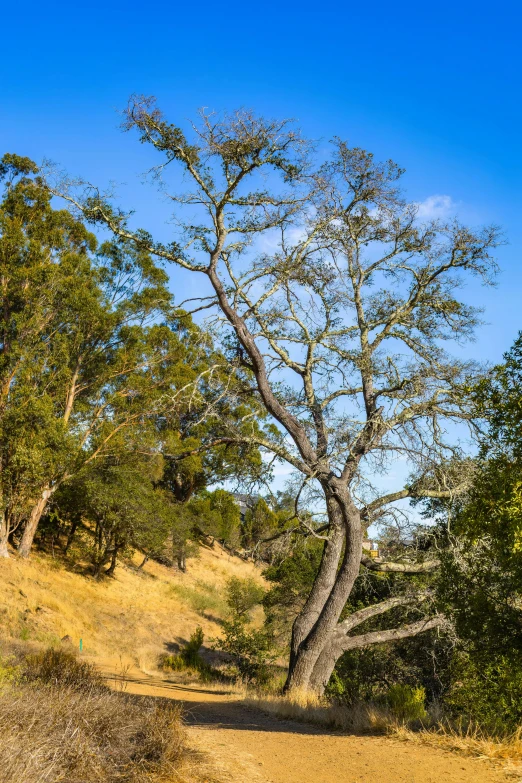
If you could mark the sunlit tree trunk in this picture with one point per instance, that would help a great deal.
(4, 534)
(31, 525)
(331, 597)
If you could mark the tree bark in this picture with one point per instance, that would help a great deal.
(114, 559)
(4, 534)
(334, 601)
(32, 523)
(324, 667)
(181, 557)
(309, 614)
(339, 644)
(70, 536)
(377, 564)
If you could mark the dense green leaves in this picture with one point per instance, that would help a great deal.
(97, 363)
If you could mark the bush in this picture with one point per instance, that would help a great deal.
(173, 663)
(407, 703)
(243, 595)
(251, 649)
(59, 723)
(190, 653)
(487, 691)
(59, 667)
(190, 658)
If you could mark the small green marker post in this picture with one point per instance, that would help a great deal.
(81, 645)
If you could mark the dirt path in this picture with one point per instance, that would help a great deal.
(246, 745)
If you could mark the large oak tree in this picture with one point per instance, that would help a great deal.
(335, 304)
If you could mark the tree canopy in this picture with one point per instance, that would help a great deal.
(335, 304)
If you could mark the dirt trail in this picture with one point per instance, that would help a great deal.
(246, 745)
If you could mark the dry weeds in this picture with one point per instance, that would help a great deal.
(60, 723)
(308, 707)
(470, 741)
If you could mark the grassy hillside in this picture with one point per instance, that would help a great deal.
(137, 615)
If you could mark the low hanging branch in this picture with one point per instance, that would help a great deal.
(362, 615)
(377, 564)
(392, 634)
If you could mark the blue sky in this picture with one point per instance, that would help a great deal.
(434, 86)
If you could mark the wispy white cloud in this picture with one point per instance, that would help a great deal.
(282, 469)
(270, 241)
(434, 207)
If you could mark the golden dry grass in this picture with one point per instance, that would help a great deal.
(59, 722)
(307, 707)
(470, 741)
(134, 616)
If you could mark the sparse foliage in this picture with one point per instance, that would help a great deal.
(335, 303)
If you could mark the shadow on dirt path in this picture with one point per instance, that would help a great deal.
(246, 745)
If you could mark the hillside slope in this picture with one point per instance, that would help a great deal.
(137, 615)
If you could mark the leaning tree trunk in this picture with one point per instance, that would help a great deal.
(114, 560)
(32, 523)
(324, 667)
(309, 614)
(181, 557)
(334, 600)
(4, 534)
(70, 536)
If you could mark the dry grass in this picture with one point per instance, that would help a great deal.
(59, 723)
(308, 707)
(136, 615)
(470, 741)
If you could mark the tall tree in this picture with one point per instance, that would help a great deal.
(40, 250)
(91, 345)
(481, 580)
(110, 362)
(335, 303)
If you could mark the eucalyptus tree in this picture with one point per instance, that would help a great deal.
(40, 250)
(91, 347)
(335, 303)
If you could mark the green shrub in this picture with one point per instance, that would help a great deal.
(190, 653)
(243, 595)
(173, 663)
(487, 691)
(407, 703)
(251, 648)
(190, 658)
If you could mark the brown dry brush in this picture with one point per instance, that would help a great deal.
(54, 731)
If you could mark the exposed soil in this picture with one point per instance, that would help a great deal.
(245, 744)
